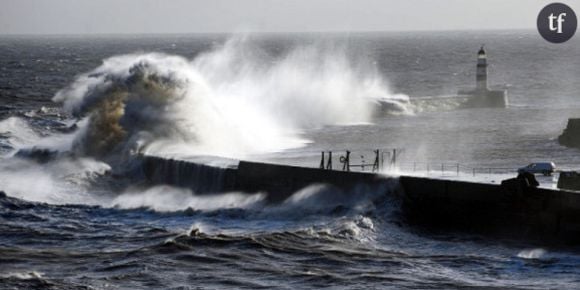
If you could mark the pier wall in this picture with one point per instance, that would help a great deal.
(198, 177)
(279, 181)
(282, 180)
(459, 204)
(487, 208)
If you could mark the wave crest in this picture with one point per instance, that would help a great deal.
(231, 101)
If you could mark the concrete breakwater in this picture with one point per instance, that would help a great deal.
(198, 177)
(514, 209)
(279, 181)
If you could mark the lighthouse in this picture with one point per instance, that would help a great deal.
(481, 71)
(482, 96)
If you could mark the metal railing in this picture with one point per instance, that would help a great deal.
(385, 160)
(449, 168)
(348, 161)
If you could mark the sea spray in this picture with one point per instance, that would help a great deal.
(229, 101)
(15, 133)
(63, 181)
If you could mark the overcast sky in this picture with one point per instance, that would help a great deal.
(193, 16)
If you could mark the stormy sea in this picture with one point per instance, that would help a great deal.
(75, 212)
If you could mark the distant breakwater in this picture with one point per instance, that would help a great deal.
(570, 136)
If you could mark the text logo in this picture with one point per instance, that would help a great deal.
(558, 19)
(557, 23)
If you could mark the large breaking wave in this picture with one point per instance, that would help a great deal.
(234, 100)
(231, 101)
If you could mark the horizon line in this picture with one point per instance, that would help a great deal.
(97, 34)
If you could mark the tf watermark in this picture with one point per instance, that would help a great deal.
(557, 23)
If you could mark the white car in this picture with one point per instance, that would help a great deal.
(545, 168)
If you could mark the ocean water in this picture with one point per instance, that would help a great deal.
(77, 220)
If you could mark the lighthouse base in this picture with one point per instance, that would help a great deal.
(484, 98)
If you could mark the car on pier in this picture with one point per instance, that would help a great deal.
(545, 168)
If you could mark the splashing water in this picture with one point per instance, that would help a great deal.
(64, 181)
(532, 253)
(166, 198)
(230, 101)
(17, 132)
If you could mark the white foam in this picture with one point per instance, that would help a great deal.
(166, 199)
(23, 275)
(231, 101)
(64, 181)
(19, 133)
(537, 253)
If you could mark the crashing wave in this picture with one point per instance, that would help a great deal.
(230, 101)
